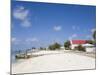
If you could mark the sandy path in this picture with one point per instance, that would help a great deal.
(54, 61)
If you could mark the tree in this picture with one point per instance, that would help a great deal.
(41, 48)
(51, 47)
(57, 46)
(54, 46)
(90, 41)
(80, 48)
(94, 35)
(33, 48)
(67, 44)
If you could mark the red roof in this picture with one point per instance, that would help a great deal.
(79, 41)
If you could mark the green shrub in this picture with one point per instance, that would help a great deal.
(80, 48)
(67, 45)
(54, 46)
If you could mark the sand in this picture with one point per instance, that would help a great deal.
(54, 61)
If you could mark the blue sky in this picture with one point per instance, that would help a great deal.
(37, 24)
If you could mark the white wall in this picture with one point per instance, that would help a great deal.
(73, 46)
(90, 49)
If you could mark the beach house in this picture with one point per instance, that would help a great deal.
(75, 43)
(88, 47)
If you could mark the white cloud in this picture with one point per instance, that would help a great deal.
(14, 40)
(92, 30)
(75, 27)
(26, 23)
(57, 28)
(73, 36)
(89, 37)
(22, 14)
(34, 39)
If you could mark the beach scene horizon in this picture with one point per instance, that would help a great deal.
(47, 37)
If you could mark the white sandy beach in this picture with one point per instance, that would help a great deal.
(54, 61)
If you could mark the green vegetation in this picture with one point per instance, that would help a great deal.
(94, 37)
(67, 45)
(80, 48)
(54, 46)
(90, 41)
(41, 48)
(33, 48)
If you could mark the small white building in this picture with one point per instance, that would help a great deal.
(88, 47)
(75, 43)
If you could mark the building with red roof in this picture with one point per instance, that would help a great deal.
(78, 41)
(88, 47)
(75, 43)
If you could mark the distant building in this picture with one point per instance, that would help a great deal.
(75, 43)
(88, 47)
